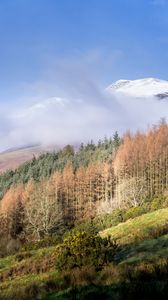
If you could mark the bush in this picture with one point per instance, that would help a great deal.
(100, 222)
(89, 226)
(159, 202)
(83, 249)
(134, 212)
(109, 220)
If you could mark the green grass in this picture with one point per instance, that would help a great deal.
(24, 275)
(149, 250)
(14, 270)
(20, 277)
(5, 263)
(138, 229)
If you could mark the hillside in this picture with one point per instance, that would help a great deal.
(138, 228)
(83, 150)
(88, 223)
(12, 159)
(34, 272)
(145, 237)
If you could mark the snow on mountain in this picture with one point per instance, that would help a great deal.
(141, 88)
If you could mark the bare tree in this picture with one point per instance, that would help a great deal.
(132, 192)
(43, 212)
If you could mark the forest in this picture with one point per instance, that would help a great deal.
(80, 192)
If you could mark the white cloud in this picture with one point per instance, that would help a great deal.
(69, 106)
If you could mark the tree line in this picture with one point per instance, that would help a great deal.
(47, 163)
(78, 185)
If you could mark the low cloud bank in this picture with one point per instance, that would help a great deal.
(60, 120)
(72, 108)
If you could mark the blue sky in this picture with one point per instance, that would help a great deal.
(131, 35)
(53, 48)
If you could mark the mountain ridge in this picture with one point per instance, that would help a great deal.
(14, 157)
(140, 88)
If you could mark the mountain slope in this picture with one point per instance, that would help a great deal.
(13, 158)
(138, 228)
(33, 274)
(147, 87)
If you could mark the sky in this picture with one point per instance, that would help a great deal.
(58, 56)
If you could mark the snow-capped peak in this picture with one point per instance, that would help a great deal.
(147, 87)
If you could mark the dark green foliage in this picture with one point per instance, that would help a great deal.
(117, 216)
(159, 202)
(103, 221)
(90, 226)
(116, 140)
(47, 163)
(16, 223)
(134, 212)
(83, 249)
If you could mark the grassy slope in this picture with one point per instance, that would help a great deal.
(135, 236)
(137, 229)
(148, 250)
(133, 233)
(36, 268)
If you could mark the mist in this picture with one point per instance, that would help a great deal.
(71, 106)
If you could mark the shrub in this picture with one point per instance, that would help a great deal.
(83, 249)
(134, 212)
(101, 222)
(109, 220)
(159, 202)
(89, 226)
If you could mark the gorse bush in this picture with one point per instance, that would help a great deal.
(83, 249)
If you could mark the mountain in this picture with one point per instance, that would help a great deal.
(12, 158)
(54, 108)
(140, 88)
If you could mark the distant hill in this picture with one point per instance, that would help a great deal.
(12, 158)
